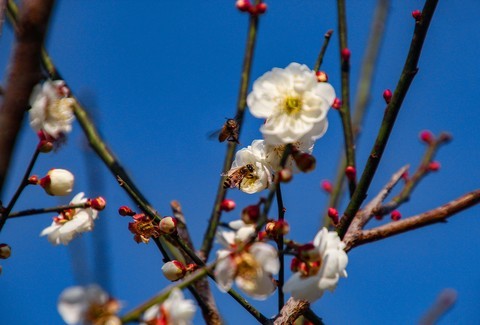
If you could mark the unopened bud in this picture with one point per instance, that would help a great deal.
(58, 182)
(350, 172)
(433, 166)
(285, 175)
(322, 76)
(305, 161)
(174, 270)
(261, 8)
(243, 5)
(5, 251)
(379, 217)
(345, 54)
(98, 203)
(33, 180)
(168, 225)
(327, 186)
(308, 252)
(445, 137)
(427, 136)
(417, 15)
(45, 146)
(274, 229)
(262, 235)
(396, 215)
(333, 214)
(227, 205)
(250, 214)
(125, 211)
(337, 103)
(387, 95)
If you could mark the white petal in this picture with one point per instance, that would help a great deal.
(267, 256)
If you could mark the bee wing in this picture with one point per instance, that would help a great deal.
(213, 135)
(231, 171)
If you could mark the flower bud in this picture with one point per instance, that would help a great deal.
(379, 217)
(274, 229)
(125, 211)
(98, 203)
(337, 103)
(345, 54)
(45, 146)
(396, 215)
(250, 214)
(58, 182)
(417, 15)
(322, 76)
(168, 225)
(227, 205)
(243, 5)
(333, 214)
(174, 270)
(427, 136)
(285, 175)
(350, 172)
(33, 180)
(261, 8)
(5, 251)
(308, 252)
(327, 186)
(305, 161)
(445, 137)
(387, 95)
(433, 166)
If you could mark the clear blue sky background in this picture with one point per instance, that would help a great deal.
(162, 75)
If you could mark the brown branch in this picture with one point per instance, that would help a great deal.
(291, 311)
(436, 215)
(24, 74)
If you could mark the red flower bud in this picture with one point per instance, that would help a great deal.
(327, 186)
(243, 5)
(427, 136)
(45, 146)
(337, 103)
(33, 180)
(322, 76)
(285, 175)
(276, 228)
(333, 214)
(305, 162)
(345, 54)
(168, 225)
(125, 211)
(379, 217)
(396, 215)
(387, 95)
(98, 203)
(251, 214)
(227, 205)
(174, 270)
(5, 251)
(417, 15)
(350, 172)
(433, 166)
(261, 8)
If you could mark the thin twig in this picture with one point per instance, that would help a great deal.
(23, 75)
(326, 40)
(444, 302)
(56, 209)
(281, 255)
(391, 112)
(436, 215)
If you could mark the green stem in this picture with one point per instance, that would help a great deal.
(345, 78)
(391, 112)
(241, 104)
(326, 40)
(56, 209)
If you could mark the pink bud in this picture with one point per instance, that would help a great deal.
(251, 214)
(379, 217)
(168, 225)
(387, 95)
(125, 211)
(345, 54)
(304, 161)
(433, 166)
(327, 186)
(45, 146)
(243, 5)
(227, 205)
(276, 228)
(333, 214)
(322, 76)
(396, 215)
(350, 172)
(33, 180)
(261, 8)
(98, 203)
(427, 136)
(285, 175)
(174, 270)
(417, 15)
(5, 251)
(337, 103)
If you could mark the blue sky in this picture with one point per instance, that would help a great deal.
(163, 75)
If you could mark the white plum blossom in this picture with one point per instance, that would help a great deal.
(293, 102)
(51, 109)
(251, 268)
(70, 222)
(274, 154)
(253, 155)
(324, 267)
(175, 310)
(88, 305)
(58, 182)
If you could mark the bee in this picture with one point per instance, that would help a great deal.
(235, 176)
(229, 131)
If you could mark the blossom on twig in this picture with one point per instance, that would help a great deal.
(293, 103)
(71, 222)
(318, 267)
(175, 310)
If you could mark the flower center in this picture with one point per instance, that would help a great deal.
(292, 105)
(247, 267)
(60, 110)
